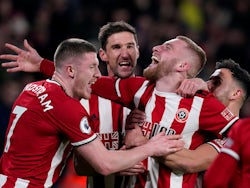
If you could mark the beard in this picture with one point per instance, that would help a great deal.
(151, 73)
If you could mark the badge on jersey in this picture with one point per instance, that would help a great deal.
(182, 115)
(84, 126)
(227, 114)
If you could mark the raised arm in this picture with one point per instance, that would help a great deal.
(26, 60)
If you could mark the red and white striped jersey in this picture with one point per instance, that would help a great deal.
(108, 120)
(43, 126)
(169, 112)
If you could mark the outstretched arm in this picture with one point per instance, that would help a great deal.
(26, 60)
(114, 161)
(88, 170)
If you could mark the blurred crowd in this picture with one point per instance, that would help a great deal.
(220, 27)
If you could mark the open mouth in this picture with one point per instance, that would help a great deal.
(124, 63)
(154, 60)
(92, 82)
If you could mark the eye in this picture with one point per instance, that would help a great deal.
(214, 82)
(130, 45)
(116, 47)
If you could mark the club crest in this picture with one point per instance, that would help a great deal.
(182, 115)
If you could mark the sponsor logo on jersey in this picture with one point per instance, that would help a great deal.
(149, 130)
(181, 115)
(84, 126)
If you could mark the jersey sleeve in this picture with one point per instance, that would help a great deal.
(217, 144)
(47, 67)
(214, 116)
(74, 123)
(118, 90)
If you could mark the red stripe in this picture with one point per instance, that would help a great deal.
(94, 113)
(159, 109)
(146, 96)
(180, 121)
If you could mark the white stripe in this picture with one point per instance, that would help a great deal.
(153, 168)
(171, 105)
(105, 115)
(231, 153)
(85, 104)
(218, 149)
(117, 82)
(126, 112)
(3, 179)
(55, 162)
(85, 141)
(140, 92)
(21, 183)
(228, 125)
(192, 124)
(176, 180)
(149, 108)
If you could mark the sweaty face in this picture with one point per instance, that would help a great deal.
(86, 72)
(121, 54)
(221, 84)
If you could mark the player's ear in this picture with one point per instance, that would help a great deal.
(70, 71)
(183, 66)
(103, 55)
(236, 94)
(137, 51)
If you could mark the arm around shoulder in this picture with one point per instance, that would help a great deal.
(191, 161)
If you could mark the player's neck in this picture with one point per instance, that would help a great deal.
(168, 83)
(58, 78)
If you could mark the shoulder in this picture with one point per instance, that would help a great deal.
(203, 94)
(242, 125)
(135, 81)
(209, 99)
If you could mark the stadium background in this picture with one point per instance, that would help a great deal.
(220, 27)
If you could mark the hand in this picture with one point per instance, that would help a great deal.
(26, 60)
(189, 87)
(134, 170)
(136, 116)
(161, 144)
(134, 137)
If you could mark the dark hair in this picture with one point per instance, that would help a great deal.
(240, 74)
(114, 27)
(72, 47)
